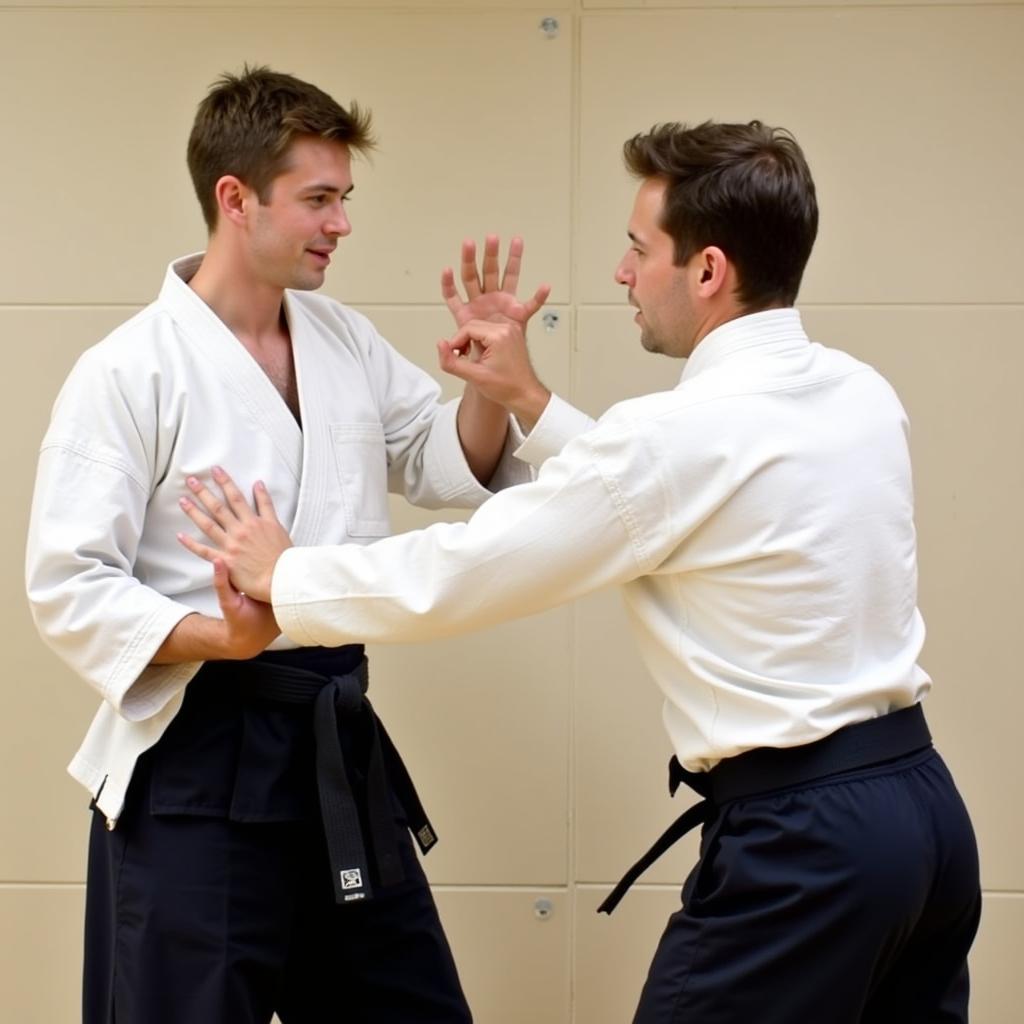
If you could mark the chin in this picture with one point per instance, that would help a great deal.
(306, 283)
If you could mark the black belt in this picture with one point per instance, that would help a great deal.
(345, 695)
(766, 769)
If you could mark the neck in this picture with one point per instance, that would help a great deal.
(248, 306)
(716, 314)
(715, 318)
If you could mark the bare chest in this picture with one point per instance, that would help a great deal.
(278, 363)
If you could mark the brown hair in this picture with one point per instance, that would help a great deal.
(247, 123)
(745, 188)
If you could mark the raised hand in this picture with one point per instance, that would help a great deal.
(493, 358)
(490, 295)
(248, 541)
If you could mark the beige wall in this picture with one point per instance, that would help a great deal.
(537, 744)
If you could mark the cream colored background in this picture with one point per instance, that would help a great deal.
(537, 744)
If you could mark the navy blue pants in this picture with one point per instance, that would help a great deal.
(851, 900)
(212, 902)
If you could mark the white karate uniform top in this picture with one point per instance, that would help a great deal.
(171, 393)
(759, 519)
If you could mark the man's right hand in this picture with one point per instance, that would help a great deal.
(246, 629)
(250, 626)
(493, 358)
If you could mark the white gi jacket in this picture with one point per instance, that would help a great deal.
(171, 393)
(758, 517)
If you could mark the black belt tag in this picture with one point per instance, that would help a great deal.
(425, 837)
(335, 699)
(345, 845)
(352, 885)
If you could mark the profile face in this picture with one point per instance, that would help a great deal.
(292, 235)
(658, 288)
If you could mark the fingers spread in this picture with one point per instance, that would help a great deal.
(449, 292)
(470, 277)
(491, 263)
(264, 504)
(235, 498)
(510, 280)
(540, 296)
(213, 505)
(209, 526)
(202, 550)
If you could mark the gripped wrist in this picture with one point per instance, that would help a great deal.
(530, 406)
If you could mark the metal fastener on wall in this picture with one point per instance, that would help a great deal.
(550, 321)
(550, 26)
(543, 909)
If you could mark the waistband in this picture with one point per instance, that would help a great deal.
(768, 769)
(335, 682)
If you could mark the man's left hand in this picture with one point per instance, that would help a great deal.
(490, 295)
(248, 541)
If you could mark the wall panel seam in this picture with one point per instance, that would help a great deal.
(853, 305)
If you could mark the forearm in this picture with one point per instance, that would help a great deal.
(483, 428)
(526, 549)
(529, 406)
(203, 638)
(247, 629)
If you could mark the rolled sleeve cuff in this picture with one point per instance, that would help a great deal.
(559, 423)
(463, 490)
(285, 587)
(138, 690)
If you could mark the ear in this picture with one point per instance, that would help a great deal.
(233, 199)
(713, 269)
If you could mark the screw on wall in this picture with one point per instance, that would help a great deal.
(543, 909)
(550, 27)
(550, 321)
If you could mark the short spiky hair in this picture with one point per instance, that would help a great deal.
(247, 123)
(745, 188)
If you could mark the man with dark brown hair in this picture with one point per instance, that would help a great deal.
(237, 866)
(759, 519)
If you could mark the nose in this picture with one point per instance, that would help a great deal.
(624, 272)
(338, 223)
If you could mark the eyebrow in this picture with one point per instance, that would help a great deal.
(633, 238)
(329, 188)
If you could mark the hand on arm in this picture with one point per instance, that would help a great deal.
(246, 630)
(248, 541)
(499, 367)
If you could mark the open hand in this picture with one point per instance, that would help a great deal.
(248, 541)
(487, 298)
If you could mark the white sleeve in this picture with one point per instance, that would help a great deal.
(559, 423)
(425, 459)
(592, 518)
(87, 515)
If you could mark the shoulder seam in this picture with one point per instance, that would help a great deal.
(89, 456)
